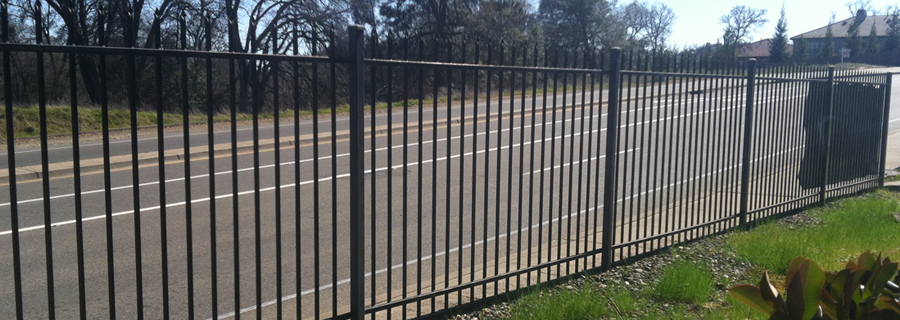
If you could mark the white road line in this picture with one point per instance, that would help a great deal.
(898, 119)
(289, 185)
(290, 125)
(273, 165)
(367, 151)
(411, 111)
(285, 125)
(176, 204)
(488, 240)
(573, 163)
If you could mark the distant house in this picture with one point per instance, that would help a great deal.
(758, 50)
(815, 39)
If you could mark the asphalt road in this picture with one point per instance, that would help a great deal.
(435, 216)
(120, 143)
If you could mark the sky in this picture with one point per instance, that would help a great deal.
(697, 21)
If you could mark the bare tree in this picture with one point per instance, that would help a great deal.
(636, 17)
(740, 22)
(854, 7)
(648, 26)
(79, 19)
(660, 26)
(268, 25)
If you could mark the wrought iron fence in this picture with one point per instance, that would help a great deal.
(399, 183)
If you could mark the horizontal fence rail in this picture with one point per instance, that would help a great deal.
(364, 176)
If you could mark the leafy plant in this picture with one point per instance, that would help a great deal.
(863, 290)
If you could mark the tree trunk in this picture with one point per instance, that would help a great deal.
(89, 75)
(243, 82)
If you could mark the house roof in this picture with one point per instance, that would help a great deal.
(842, 28)
(758, 49)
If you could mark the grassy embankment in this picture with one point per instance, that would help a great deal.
(59, 118)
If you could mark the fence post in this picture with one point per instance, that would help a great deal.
(748, 139)
(884, 129)
(357, 172)
(826, 158)
(612, 157)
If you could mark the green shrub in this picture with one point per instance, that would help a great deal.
(685, 282)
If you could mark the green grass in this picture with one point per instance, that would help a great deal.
(621, 298)
(892, 178)
(59, 118)
(580, 303)
(734, 309)
(685, 290)
(685, 282)
(589, 302)
(770, 246)
(848, 228)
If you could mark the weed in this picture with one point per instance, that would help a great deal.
(770, 246)
(622, 298)
(685, 282)
(580, 303)
(734, 310)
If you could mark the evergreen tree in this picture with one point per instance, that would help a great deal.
(778, 51)
(801, 51)
(872, 40)
(827, 49)
(893, 33)
(854, 41)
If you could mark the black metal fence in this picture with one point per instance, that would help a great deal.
(399, 183)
